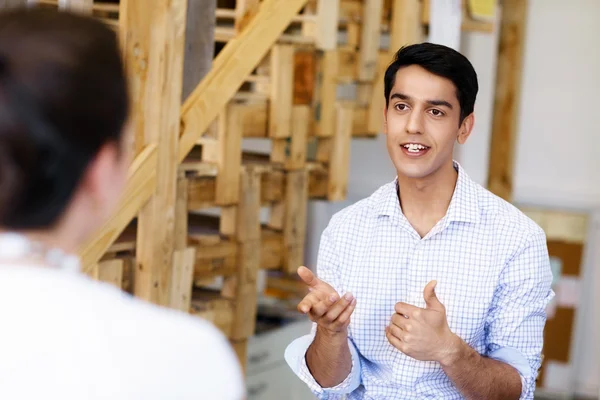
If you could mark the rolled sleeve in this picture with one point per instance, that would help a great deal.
(295, 356)
(515, 327)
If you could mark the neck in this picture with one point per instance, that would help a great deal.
(52, 238)
(428, 197)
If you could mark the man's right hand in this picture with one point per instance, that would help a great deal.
(323, 304)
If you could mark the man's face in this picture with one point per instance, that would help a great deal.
(422, 122)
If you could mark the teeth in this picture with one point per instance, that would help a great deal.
(414, 148)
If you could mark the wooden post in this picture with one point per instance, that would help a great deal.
(161, 105)
(282, 90)
(327, 24)
(506, 104)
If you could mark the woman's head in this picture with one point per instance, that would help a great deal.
(63, 107)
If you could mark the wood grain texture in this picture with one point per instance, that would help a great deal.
(232, 66)
(506, 102)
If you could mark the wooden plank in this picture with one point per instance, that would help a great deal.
(248, 212)
(340, 154)
(328, 12)
(282, 91)
(155, 236)
(228, 72)
(182, 281)
(226, 152)
(245, 10)
(294, 228)
(370, 40)
(405, 27)
(292, 152)
(328, 67)
(506, 102)
(304, 76)
(111, 272)
(199, 43)
(141, 183)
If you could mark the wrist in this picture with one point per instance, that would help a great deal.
(454, 352)
(330, 336)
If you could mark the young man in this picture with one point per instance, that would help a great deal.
(432, 287)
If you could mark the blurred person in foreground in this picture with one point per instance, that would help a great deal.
(432, 287)
(64, 157)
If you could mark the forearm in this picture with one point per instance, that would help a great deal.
(478, 377)
(328, 358)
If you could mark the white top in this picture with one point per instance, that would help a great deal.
(65, 336)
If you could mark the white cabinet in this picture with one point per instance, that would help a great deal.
(268, 375)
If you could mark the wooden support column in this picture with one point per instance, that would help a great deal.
(327, 93)
(245, 10)
(241, 288)
(294, 226)
(370, 40)
(339, 160)
(161, 103)
(405, 28)
(328, 14)
(506, 103)
(282, 90)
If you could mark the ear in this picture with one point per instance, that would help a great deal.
(466, 128)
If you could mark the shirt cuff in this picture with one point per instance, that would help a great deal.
(295, 356)
(518, 361)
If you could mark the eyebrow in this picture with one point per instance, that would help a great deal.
(403, 96)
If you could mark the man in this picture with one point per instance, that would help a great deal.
(432, 287)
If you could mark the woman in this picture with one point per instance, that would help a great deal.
(63, 163)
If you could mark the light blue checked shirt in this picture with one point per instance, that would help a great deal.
(493, 271)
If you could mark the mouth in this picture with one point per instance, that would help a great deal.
(414, 149)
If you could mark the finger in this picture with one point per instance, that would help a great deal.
(312, 281)
(344, 317)
(308, 302)
(319, 309)
(407, 310)
(394, 341)
(395, 331)
(430, 297)
(401, 322)
(308, 277)
(334, 311)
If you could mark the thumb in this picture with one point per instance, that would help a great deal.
(431, 299)
(308, 277)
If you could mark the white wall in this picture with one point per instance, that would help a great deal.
(558, 128)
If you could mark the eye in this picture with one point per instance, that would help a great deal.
(437, 113)
(401, 107)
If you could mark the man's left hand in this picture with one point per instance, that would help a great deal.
(423, 333)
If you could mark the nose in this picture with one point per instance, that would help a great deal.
(414, 124)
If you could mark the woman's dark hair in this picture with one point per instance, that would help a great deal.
(442, 61)
(63, 95)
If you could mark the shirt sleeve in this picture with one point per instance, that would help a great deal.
(327, 270)
(515, 326)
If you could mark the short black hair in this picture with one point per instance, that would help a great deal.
(63, 95)
(442, 61)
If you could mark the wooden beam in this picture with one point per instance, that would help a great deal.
(370, 40)
(507, 95)
(228, 72)
(328, 14)
(156, 227)
(282, 90)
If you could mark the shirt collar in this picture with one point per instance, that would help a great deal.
(464, 206)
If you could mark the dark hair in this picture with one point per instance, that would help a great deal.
(63, 95)
(442, 61)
